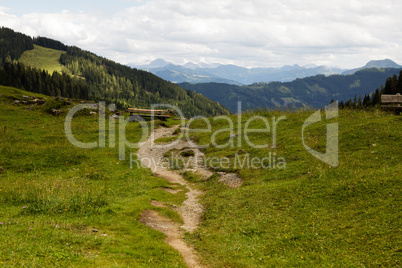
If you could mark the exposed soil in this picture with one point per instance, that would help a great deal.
(152, 219)
(170, 190)
(158, 204)
(190, 211)
(151, 156)
(230, 179)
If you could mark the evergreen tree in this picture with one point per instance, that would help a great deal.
(376, 98)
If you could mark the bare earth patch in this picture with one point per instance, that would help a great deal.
(171, 229)
(150, 155)
(190, 211)
(170, 190)
(158, 204)
(230, 179)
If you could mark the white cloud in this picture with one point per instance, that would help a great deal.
(346, 33)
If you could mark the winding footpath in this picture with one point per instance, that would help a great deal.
(191, 210)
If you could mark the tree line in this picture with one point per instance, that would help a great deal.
(130, 87)
(49, 43)
(13, 44)
(89, 76)
(40, 81)
(393, 85)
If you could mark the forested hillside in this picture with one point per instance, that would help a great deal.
(314, 91)
(125, 86)
(92, 77)
(13, 44)
(39, 81)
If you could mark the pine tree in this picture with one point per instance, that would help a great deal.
(376, 98)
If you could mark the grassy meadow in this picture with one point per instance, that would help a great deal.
(62, 206)
(307, 214)
(303, 213)
(43, 58)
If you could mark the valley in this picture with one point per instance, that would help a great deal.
(273, 174)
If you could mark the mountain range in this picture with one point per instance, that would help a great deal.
(238, 75)
(47, 66)
(314, 91)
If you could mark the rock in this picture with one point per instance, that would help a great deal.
(56, 111)
(92, 113)
(16, 102)
(38, 101)
(25, 97)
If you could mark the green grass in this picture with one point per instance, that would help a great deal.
(53, 195)
(43, 58)
(307, 214)
(166, 139)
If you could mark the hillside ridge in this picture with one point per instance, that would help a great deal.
(105, 79)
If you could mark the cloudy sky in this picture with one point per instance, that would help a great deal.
(266, 33)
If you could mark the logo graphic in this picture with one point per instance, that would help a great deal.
(331, 154)
(109, 125)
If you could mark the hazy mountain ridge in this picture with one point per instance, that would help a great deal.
(386, 63)
(314, 91)
(237, 75)
(85, 75)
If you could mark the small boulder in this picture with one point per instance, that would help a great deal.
(39, 101)
(56, 111)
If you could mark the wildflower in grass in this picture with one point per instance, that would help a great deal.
(24, 207)
(1, 223)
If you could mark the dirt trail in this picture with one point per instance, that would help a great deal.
(190, 211)
(150, 155)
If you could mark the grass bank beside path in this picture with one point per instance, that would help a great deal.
(62, 206)
(307, 214)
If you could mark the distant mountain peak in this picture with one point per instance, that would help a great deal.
(191, 65)
(386, 63)
(158, 63)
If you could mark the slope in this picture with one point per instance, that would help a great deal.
(43, 58)
(314, 91)
(294, 210)
(104, 79)
(64, 206)
(231, 74)
(387, 63)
